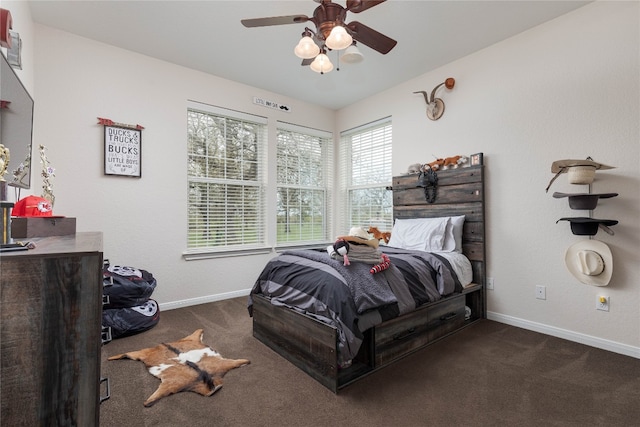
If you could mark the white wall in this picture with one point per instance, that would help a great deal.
(144, 220)
(565, 89)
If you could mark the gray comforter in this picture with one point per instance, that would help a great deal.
(350, 297)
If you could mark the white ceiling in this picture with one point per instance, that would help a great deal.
(208, 36)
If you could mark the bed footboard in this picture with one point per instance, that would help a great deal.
(302, 340)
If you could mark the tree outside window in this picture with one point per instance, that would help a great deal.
(225, 170)
(365, 159)
(303, 181)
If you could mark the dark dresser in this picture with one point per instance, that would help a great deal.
(50, 332)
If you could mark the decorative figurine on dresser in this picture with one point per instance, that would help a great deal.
(590, 261)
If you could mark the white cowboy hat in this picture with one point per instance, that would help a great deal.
(590, 261)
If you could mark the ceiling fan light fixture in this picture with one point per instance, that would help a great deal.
(352, 55)
(321, 64)
(339, 38)
(306, 48)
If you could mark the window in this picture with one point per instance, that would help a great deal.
(226, 201)
(365, 154)
(303, 183)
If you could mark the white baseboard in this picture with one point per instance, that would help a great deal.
(202, 300)
(589, 340)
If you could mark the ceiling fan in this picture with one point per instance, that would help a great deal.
(332, 32)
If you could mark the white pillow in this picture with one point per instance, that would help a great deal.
(453, 237)
(420, 234)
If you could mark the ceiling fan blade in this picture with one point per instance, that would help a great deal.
(357, 6)
(274, 20)
(306, 62)
(370, 37)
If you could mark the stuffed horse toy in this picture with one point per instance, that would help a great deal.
(380, 235)
(446, 163)
(454, 162)
(435, 165)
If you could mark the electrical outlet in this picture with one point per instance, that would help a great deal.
(490, 283)
(541, 292)
(602, 303)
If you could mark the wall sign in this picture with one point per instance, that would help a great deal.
(122, 150)
(271, 104)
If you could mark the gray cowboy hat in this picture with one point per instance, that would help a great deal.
(583, 200)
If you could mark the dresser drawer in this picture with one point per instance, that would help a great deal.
(400, 336)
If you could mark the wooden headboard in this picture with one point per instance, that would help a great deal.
(460, 192)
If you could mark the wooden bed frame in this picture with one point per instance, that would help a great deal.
(312, 345)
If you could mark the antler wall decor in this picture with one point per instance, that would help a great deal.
(435, 106)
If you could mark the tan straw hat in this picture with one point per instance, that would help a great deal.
(590, 261)
(563, 165)
(578, 171)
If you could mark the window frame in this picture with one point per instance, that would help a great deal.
(347, 161)
(326, 186)
(260, 184)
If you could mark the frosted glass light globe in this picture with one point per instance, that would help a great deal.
(321, 64)
(306, 48)
(338, 38)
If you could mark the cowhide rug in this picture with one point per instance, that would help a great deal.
(185, 365)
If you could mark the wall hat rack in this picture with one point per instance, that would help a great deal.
(589, 260)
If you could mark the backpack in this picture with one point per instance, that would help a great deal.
(131, 320)
(126, 305)
(125, 286)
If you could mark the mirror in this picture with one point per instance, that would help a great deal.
(16, 124)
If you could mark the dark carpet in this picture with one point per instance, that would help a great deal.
(488, 374)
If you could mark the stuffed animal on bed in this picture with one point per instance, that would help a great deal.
(446, 163)
(380, 235)
(454, 162)
(414, 169)
(435, 165)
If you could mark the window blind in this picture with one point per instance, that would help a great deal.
(303, 184)
(365, 164)
(226, 179)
